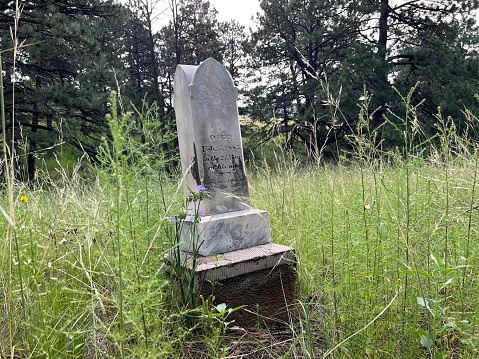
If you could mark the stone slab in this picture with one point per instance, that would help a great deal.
(209, 136)
(239, 262)
(226, 232)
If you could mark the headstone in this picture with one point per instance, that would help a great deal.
(251, 271)
(211, 154)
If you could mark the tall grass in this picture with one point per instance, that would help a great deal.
(377, 224)
(9, 215)
(85, 261)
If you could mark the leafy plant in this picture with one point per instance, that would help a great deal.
(435, 337)
(182, 263)
(213, 321)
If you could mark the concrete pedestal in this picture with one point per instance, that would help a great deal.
(237, 230)
(263, 279)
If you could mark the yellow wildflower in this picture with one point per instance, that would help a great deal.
(24, 199)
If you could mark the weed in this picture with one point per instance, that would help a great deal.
(435, 338)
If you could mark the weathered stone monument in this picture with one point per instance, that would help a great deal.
(211, 154)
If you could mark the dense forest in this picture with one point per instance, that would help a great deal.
(303, 72)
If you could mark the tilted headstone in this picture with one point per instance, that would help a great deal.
(211, 154)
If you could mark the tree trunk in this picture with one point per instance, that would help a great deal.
(382, 83)
(154, 68)
(31, 164)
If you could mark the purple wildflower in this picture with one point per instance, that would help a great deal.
(201, 212)
(171, 219)
(201, 188)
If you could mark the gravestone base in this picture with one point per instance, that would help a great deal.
(262, 279)
(236, 230)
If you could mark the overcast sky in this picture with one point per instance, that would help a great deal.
(239, 10)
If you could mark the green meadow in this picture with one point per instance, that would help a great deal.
(386, 243)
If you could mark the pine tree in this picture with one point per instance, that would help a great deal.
(62, 80)
(306, 54)
(427, 41)
(297, 52)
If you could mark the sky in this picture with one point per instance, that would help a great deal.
(239, 10)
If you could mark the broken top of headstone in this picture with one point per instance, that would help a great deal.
(212, 156)
(209, 136)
